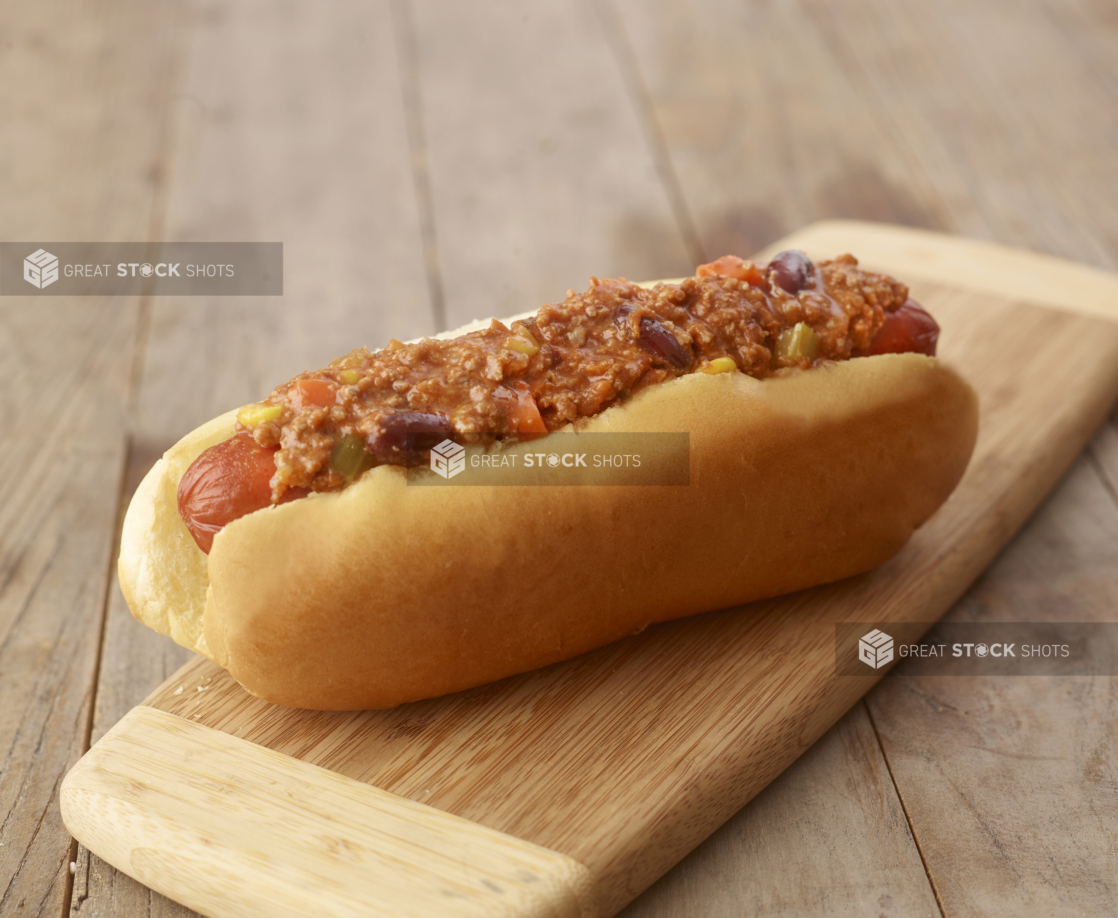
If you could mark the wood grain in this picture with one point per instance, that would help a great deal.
(82, 165)
(61, 499)
(1009, 781)
(1016, 152)
(306, 839)
(132, 658)
(539, 172)
(288, 127)
(764, 124)
(1104, 455)
(717, 743)
(846, 846)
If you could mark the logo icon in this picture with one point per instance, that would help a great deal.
(40, 268)
(875, 649)
(448, 459)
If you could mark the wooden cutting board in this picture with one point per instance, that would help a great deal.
(569, 790)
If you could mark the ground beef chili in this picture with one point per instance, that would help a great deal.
(571, 360)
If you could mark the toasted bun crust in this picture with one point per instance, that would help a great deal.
(382, 593)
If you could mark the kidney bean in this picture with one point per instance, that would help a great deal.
(791, 270)
(407, 433)
(656, 340)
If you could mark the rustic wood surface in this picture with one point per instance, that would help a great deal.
(613, 137)
(67, 171)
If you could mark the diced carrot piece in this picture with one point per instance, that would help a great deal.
(732, 266)
(318, 392)
(522, 409)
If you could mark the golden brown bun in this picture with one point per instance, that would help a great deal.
(382, 593)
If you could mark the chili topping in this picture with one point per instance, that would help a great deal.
(571, 360)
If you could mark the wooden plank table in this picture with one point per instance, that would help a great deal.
(425, 163)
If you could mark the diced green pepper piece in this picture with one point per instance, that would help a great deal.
(796, 344)
(350, 457)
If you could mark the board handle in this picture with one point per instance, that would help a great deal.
(232, 829)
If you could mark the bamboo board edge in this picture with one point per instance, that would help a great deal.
(232, 829)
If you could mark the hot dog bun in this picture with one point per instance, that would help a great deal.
(382, 593)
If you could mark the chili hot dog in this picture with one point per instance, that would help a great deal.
(822, 433)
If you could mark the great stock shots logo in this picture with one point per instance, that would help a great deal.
(40, 269)
(562, 459)
(56, 269)
(978, 648)
(448, 459)
(875, 649)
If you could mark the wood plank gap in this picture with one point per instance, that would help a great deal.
(102, 625)
(174, 75)
(407, 55)
(171, 76)
(1100, 470)
(836, 36)
(904, 808)
(102, 619)
(71, 871)
(629, 67)
(38, 827)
